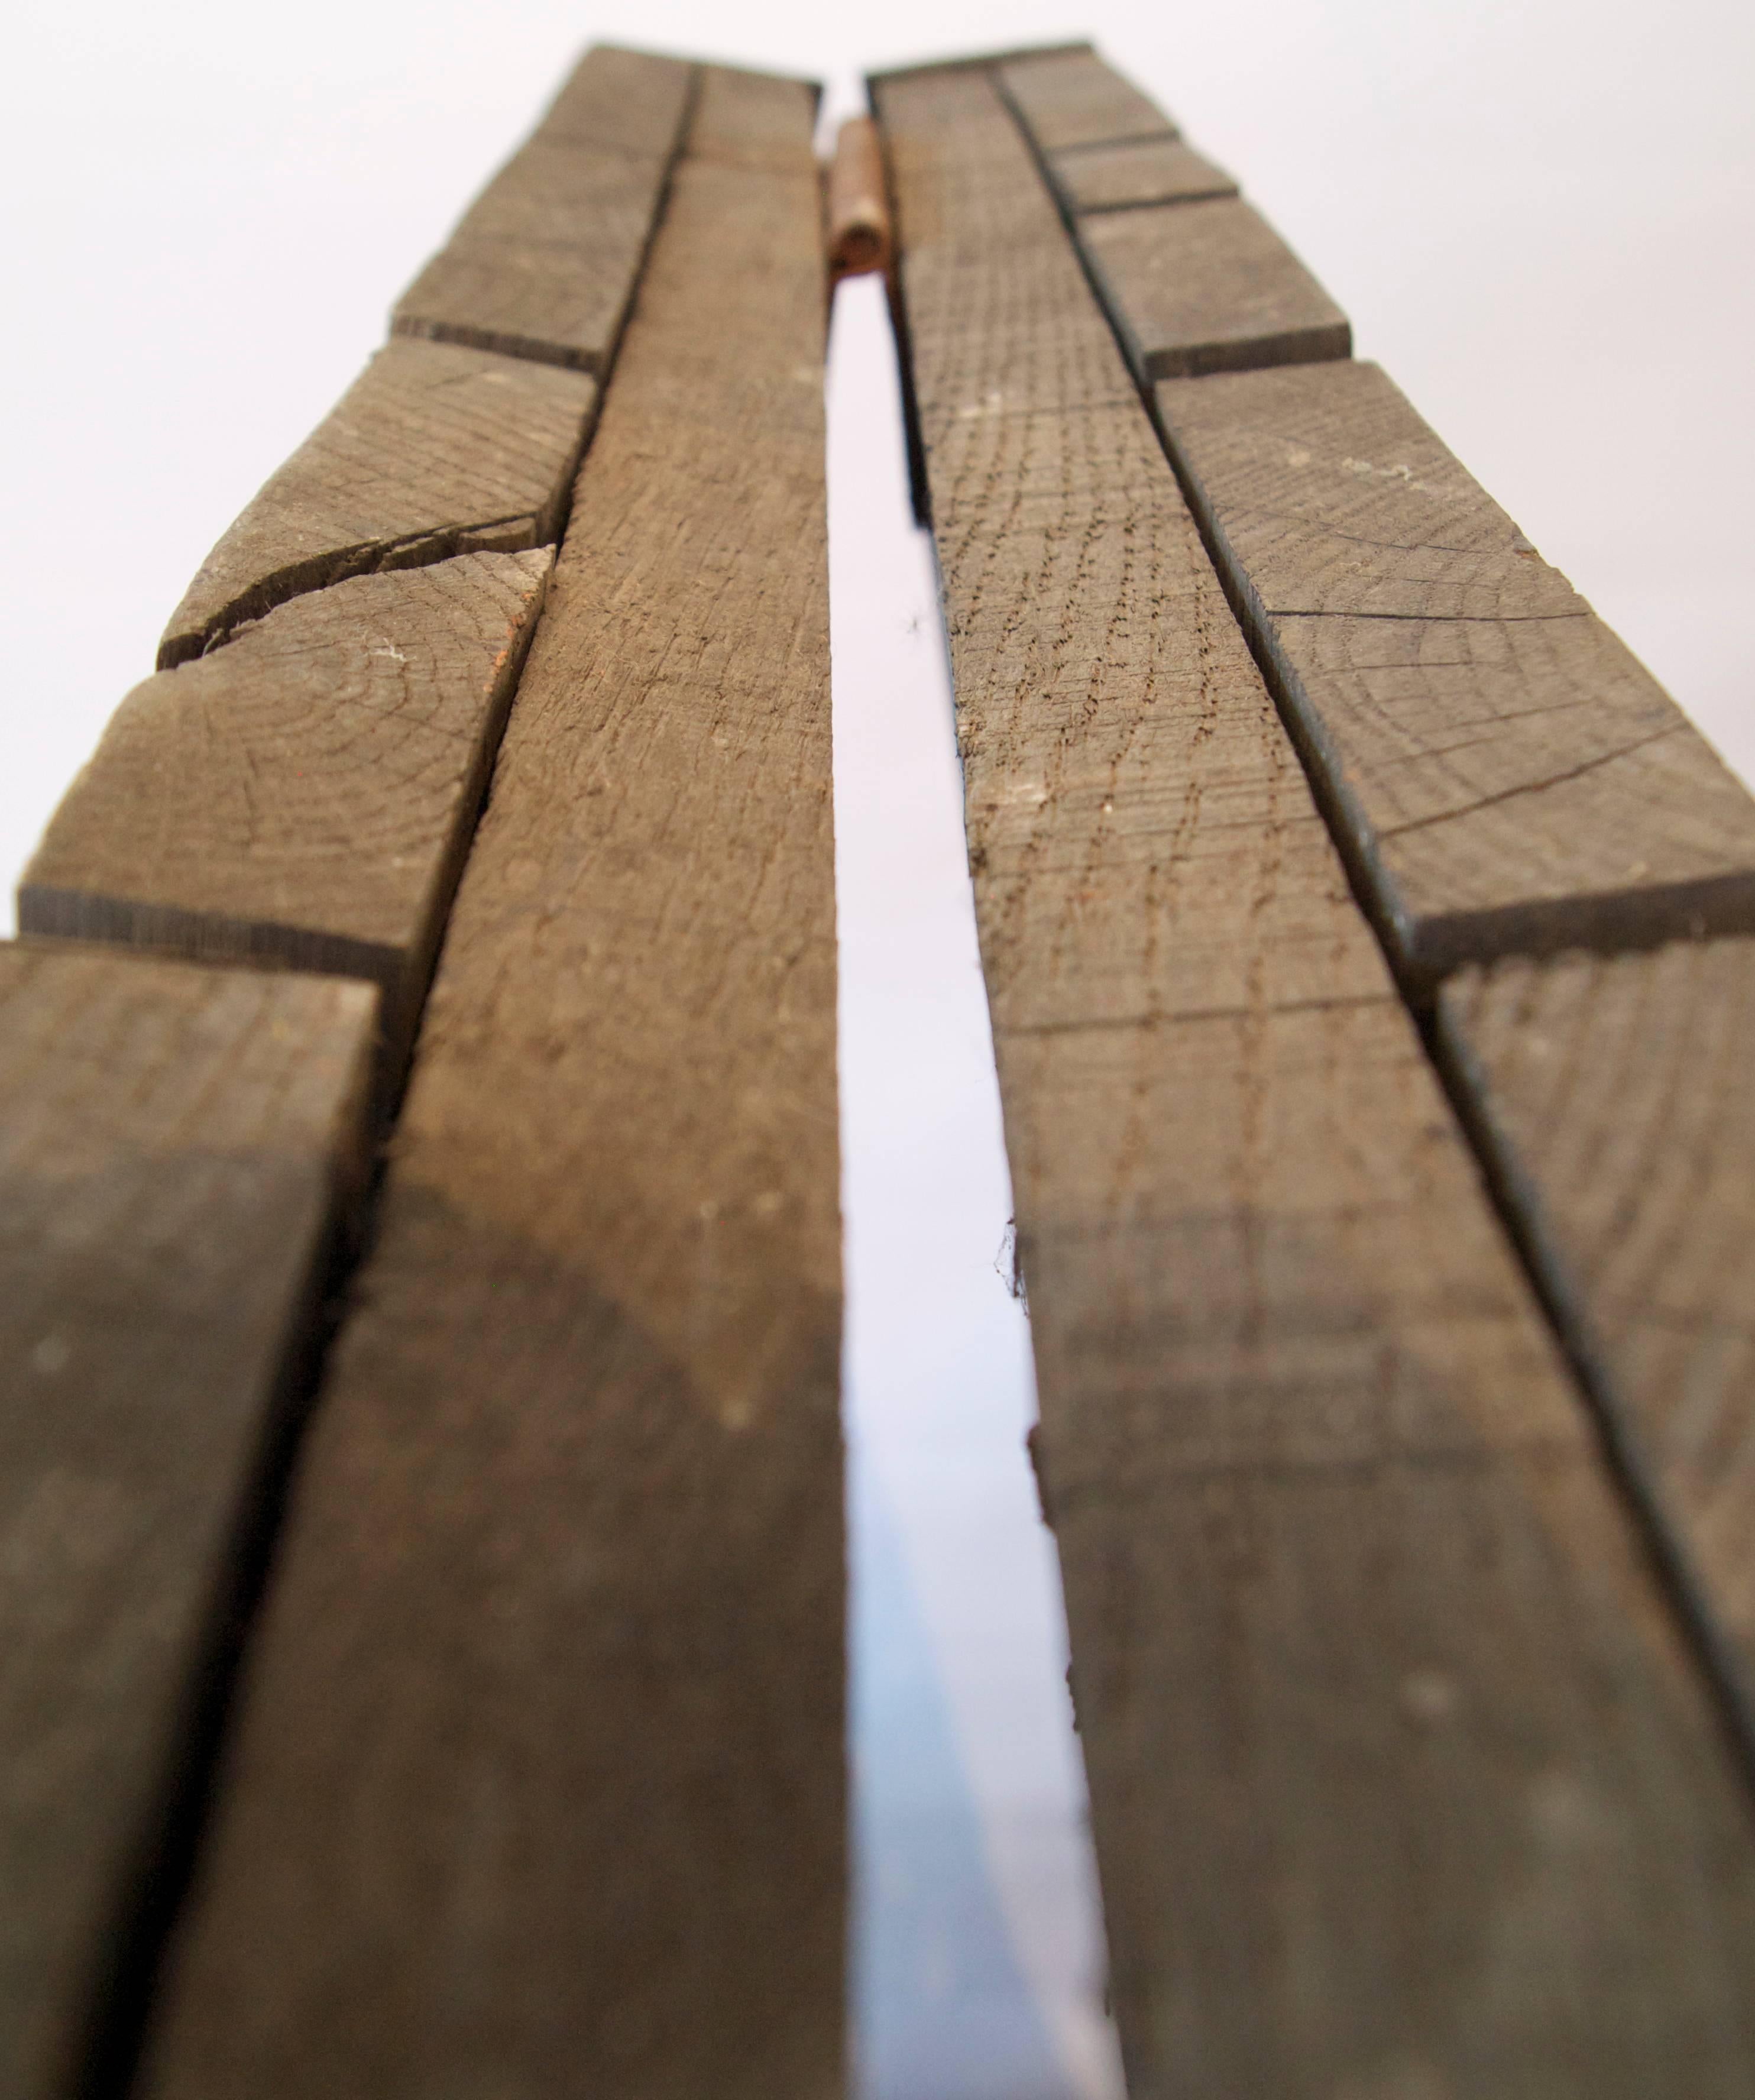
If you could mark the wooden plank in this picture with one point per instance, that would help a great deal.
(627, 101)
(1147, 171)
(1074, 99)
(1506, 775)
(1209, 287)
(303, 796)
(857, 202)
(539, 1783)
(543, 264)
(175, 1147)
(754, 120)
(977, 61)
(1401, 1781)
(1614, 1092)
(433, 452)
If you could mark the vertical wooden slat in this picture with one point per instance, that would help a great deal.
(177, 1146)
(538, 1786)
(1402, 1780)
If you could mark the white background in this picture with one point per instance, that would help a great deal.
(1540, 216)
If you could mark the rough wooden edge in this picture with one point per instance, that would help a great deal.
(122, 1972)
(1517, 1196)
(979, 61)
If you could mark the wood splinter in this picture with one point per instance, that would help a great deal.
(859, 230)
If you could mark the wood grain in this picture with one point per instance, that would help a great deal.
(433, 452)
(543, 264)
(1074, 99)
(1195, 288)
(539, 1785)
(1401, 1781)
(1506, 774)
(303, 796)
(628, 101)
(755, 120)
(175, 1146)
(1616, 1093)
(1145, 171)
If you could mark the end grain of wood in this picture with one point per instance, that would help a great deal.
(1194, 288)
(1074, 99)
(176, 1147)
(304, 796)
(543, 264)
(433, 450)
(1506, 774)
(1149, 171)
(1616, 1096)
(859, 229)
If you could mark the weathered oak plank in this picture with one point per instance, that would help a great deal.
(1147, 171)
(1074, 99)
(1616, 1094)
(303, 796)
(1401, 1780)
(539, 1785)
(1195, 288)
(543, 264)
(434, 450)
(1506, 772)
(175, 1146)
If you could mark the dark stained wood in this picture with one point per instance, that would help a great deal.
(1507, 775)
(303, 796)
(1148, 171)
(543, 264)
(1195, 288)
(433, 450)
(1401, 1780)
(1074, 99)
(1616, 1091)
(539, 1783)
(175, 1146)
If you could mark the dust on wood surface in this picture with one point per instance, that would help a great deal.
(1507, 773)
(1400, 1778)
(434, 450)
(175, 1143)
(303, 796)
(1147, 171)
(1209, 286)
(1616, 1090)
(539, 1785)
(1073, 99)
(543, 264)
